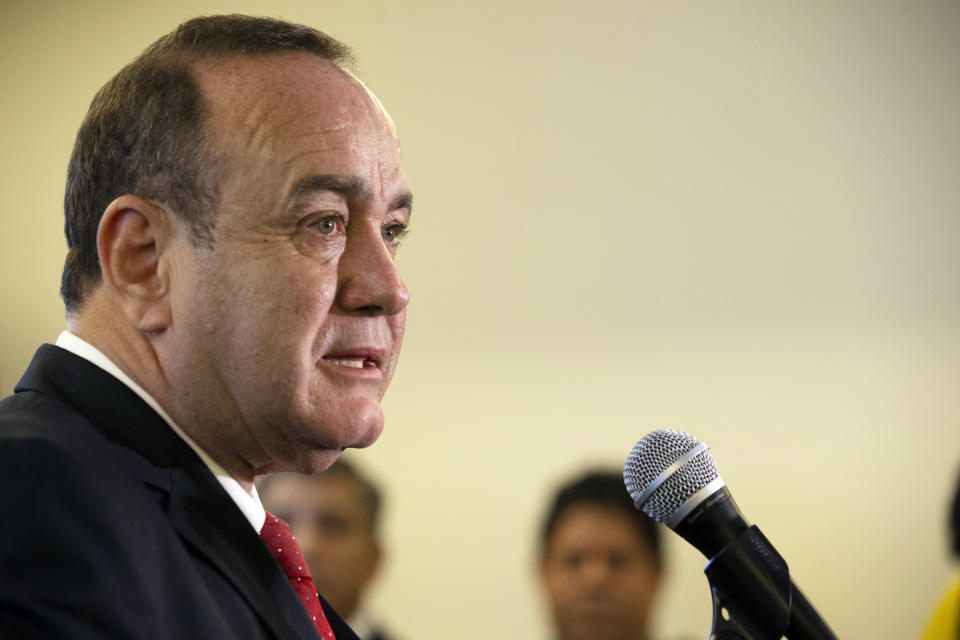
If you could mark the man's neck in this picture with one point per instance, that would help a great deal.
(242, 492)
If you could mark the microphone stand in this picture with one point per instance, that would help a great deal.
(754, 598)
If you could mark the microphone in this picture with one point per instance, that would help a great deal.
(671, 477)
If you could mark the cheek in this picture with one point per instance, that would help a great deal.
(315, 293)
(561, 586)
(298, 305)
(397, 325)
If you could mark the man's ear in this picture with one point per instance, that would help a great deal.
(133, 241)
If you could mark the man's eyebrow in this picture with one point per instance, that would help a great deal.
(352, 187)
(403, 201)
(349, 186)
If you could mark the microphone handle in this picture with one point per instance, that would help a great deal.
(805, 622)
(713, 524)
(754, 597)
(748, 575)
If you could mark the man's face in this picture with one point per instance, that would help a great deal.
(328, 517)
(288, 328)
(599, 576)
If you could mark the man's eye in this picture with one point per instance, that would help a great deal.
(326, 225)
(393, 233)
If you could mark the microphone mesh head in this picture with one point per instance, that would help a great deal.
(655, 453)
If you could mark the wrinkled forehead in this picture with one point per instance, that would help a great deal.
(251, 96)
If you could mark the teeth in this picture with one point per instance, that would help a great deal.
(355, 364)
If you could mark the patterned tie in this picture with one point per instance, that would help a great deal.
(276, 533)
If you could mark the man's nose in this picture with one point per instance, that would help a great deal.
(370, 282)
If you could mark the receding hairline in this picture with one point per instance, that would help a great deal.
(231, 90)
(243, 76)
(217, 60)
(208, 36)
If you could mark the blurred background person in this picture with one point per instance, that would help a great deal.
(945, 622)
(334, 516)
(600, 561)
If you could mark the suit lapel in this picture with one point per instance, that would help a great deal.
(207, 519)
(340, 629)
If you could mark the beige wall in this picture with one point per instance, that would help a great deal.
(735, 218)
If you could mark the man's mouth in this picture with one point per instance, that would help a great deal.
(353, 363)
(354, 359)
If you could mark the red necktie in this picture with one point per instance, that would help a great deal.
(276, 533)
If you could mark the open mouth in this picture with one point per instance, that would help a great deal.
(352, 363)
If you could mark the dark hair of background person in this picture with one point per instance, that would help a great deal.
(369, 493)
(603, 489)
(144, 135)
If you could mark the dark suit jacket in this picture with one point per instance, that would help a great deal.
(112, 527)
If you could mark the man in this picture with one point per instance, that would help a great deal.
(335, 516)
(600, 561)
(234, 204)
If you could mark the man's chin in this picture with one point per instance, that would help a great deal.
(319, 441)
(364, 424)
(307, 462)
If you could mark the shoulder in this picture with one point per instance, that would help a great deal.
(75, 508)
(32, 417)
(57, 472)
(56, 465)
(45, 444)
(69, 486)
